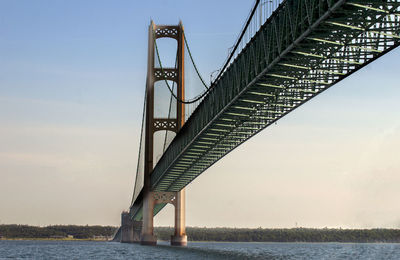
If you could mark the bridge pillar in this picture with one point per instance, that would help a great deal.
(130, 229)
(137, 230)
(179, 238)
(148, 237)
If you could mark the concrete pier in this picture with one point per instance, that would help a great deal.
(130, 229)
(179, 238)
(147, 237)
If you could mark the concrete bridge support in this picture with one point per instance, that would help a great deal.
(147, 237)
(130, 229)
(179, 238)
(175, 198)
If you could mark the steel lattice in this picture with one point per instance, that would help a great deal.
(305, 47)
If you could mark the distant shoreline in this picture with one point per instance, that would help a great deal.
(196, 234)
(57, 232)
(305, 235)
(51, 239)
(106, 241)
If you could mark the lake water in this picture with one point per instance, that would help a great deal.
(200, 250)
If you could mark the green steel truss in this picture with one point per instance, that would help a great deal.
(304, 48)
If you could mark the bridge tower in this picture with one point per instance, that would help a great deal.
(151, 198)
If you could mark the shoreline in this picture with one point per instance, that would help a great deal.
(52, 239)
(203, 234)
(210, 241)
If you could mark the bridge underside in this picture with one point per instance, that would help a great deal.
(304, 48)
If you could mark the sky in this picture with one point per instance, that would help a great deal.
(72, 80)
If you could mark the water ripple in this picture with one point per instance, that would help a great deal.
(200, 250)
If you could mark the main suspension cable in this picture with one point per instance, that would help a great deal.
(140, 145)
(237, 42)
(191, 58)
(170, 104)
(169, 87)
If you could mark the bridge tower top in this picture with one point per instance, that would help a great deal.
(154, 74)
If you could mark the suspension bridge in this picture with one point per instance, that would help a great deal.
(288, 52)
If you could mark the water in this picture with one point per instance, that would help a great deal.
(208, 250)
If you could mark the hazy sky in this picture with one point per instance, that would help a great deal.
(72, 78)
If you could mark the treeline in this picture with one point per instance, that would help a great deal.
(213, 234)
(79, 232)
(285, 235)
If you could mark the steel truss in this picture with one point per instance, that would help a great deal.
(305, 47)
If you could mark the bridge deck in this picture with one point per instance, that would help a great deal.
(304, 48)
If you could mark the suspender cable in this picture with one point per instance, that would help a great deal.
(238, 41)
(169, 87)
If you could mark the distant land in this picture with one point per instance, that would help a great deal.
(72, 232)
(67, 232)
